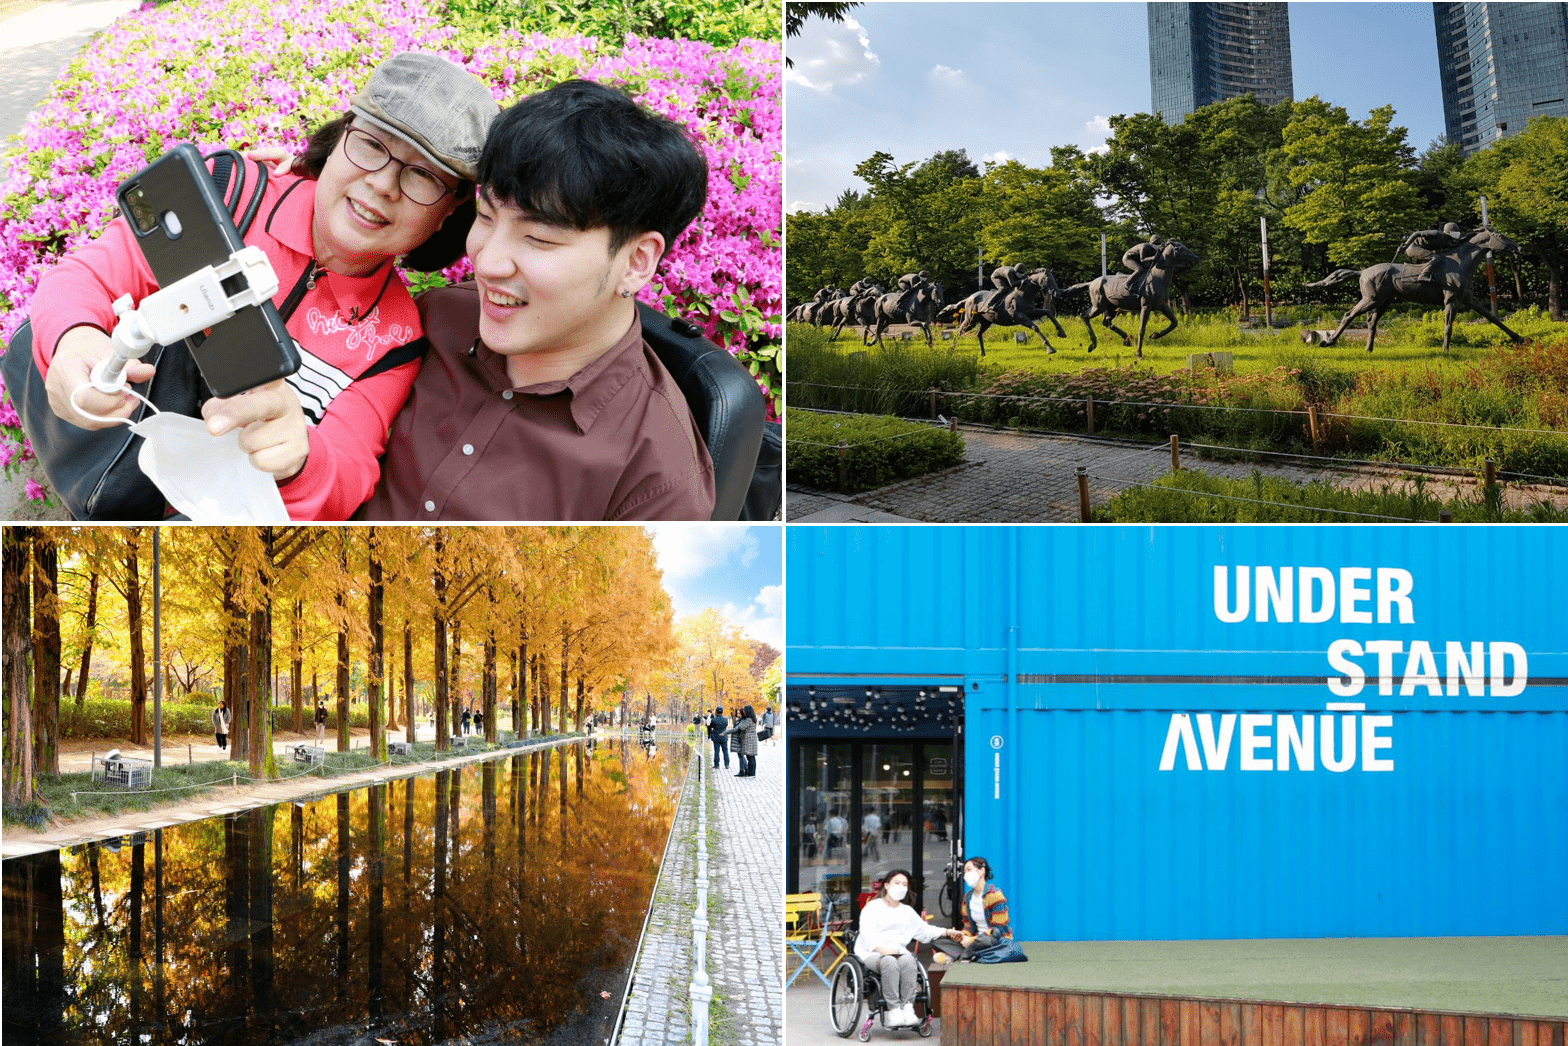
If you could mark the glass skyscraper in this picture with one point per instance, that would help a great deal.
(1500, 64)
(1200, 54)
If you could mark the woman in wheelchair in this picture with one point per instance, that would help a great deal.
(985, 919)
(886, 926)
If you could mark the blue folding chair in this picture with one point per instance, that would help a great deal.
(806, 933)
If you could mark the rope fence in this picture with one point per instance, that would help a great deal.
(1260, 501)
(1308, 415)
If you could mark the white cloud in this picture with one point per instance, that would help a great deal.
(796, 206)
(1099, 127)
(686, 551)
(1000, 156)
(831, 54)
(946, 77)
(763, 618)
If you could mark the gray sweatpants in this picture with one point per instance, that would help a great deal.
(899, 979)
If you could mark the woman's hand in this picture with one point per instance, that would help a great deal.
(271, 423)
(75, 355)
(280, 158)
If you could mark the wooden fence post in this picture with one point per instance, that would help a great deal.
(1089, 403)
(1490, 472)
(1175, 453)
(1445, 516)
(1312, 421)
(843, 467)
(933, 403)
(1083, 494)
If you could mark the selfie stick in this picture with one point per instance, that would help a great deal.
(195, 303)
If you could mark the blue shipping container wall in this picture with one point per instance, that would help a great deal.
(1181, 733)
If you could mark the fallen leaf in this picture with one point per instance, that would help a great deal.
(604, 995)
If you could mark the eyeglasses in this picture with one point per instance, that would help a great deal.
(366, 152)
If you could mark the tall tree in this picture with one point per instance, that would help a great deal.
(46, 652)
(375, 677)
(18, 658)
(1526, 180)
(1360, 196)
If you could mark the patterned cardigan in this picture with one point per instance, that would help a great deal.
(995, 912)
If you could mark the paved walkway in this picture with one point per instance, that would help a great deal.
(1009, 477)
(658, 1010)
(746, 914)
(746, 950)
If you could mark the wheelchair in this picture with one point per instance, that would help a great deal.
(855, 985)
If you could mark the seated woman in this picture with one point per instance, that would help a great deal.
(985, 920)
(887, 925)
(376, 183)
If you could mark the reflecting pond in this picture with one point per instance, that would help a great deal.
(495, 902)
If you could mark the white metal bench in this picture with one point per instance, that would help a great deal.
(122, 772)
(309, 754)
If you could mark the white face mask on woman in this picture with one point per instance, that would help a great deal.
(974, 877)
(897, 891)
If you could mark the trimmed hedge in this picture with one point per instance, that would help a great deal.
(1179, 499)
(111, 718)
(881, 450)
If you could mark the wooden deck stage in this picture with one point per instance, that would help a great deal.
(1488, 991)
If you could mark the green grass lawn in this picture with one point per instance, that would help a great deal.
(1403, 342)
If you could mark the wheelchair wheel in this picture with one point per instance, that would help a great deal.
(844, 997)
(923, 1002)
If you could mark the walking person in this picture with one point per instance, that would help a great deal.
(220, 724)
(887, 925)
(768, 733)
(468, 721)
(479, 721)
(718, 730)
(745, 731)
(321, 724)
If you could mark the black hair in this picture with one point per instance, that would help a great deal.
(443, 247)
(582, 155)
(747, 713)
(980, 863)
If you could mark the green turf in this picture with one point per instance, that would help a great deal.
(1524, 976)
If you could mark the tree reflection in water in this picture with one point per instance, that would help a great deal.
(509, 932)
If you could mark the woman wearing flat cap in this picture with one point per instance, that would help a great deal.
(394, 176)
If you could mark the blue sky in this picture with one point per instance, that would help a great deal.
(738, 571)
(1010, 80)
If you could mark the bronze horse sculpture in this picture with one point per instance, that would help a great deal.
(1033, 299)
(918, 305)
(1109, 295)
(807, 312)
(858, 309)
(1445, 282)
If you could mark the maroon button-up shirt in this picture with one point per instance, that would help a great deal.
(615, 441)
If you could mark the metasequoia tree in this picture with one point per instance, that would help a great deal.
(17, 656)
(46, 652)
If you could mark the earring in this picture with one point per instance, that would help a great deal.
(626, 294)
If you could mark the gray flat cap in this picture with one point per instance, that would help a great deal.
(442, 109)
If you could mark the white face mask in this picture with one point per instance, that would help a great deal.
(974, 877)
(208, 478)
(897, 891)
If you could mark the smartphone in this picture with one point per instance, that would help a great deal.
(182, 225)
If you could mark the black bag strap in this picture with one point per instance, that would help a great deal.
(396, 358)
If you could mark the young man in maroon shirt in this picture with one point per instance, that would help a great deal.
(539, 399)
